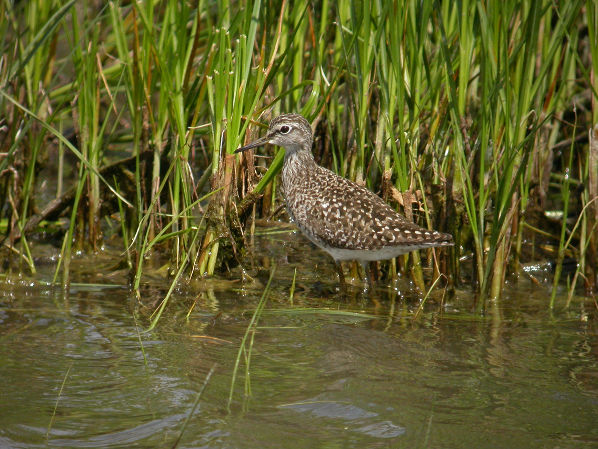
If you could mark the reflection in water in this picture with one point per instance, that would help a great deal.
(329, 371)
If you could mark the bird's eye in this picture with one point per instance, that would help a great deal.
(285, 129)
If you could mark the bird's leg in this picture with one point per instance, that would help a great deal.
(341, 276)
(366, 275)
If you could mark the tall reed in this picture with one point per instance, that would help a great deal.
(457, 113)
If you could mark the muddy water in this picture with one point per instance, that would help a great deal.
(78, 368)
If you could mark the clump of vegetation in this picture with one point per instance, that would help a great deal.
(477, 118)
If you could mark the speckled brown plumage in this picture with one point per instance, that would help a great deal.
(341, 217)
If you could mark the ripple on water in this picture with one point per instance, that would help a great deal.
(373, 377)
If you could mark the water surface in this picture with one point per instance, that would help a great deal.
(80, 369)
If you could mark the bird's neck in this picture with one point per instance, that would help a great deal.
(298, 156)
(298, 163)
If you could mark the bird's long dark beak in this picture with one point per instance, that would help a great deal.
(257, 143)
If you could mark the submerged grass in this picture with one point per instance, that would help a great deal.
(194, 407)
(246, 346)
(470, 117)
(58, 397)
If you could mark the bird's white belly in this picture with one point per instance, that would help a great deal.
(385, 253)
(362, 255)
